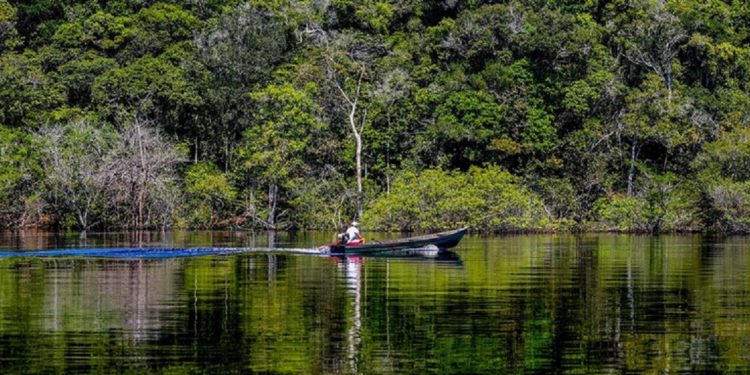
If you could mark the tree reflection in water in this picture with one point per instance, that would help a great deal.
(352, 268)
(537, 304)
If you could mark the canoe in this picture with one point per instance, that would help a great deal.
(442, 240)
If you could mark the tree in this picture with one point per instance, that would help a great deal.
(465, 126)
(278, 147)
(155, 87)
(79, 74)
(20, 172)
(654, 41)
(346, 60)
(488, 198)
(142, 164)
(76, 176)
(8, 34)
(392, 89)
(160, 26)
(26, 93)
(722, 169)
(652, 116)
(210, 194)
(240, 50)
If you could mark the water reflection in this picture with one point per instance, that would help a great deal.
(129, 297)
(537, 304)
(352, 268)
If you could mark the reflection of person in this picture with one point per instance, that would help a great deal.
(352, 234)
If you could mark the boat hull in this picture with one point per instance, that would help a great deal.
(443, 240)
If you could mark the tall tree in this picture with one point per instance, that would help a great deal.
(348, 64)
(240, 50)
(279, 146)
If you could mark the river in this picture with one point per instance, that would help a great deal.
(520, 304)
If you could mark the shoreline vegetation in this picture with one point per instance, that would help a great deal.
(520, 116)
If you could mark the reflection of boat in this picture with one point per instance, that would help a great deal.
(443, 240)
(444, 257)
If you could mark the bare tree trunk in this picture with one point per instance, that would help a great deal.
(83, 219)
(358, 159)
(226, 154)
(668, 82)
(273, 191)
(635, 149)
(388, 159)
(142, 178)
(351, 103)
(139, 218)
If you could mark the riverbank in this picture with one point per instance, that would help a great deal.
(486, 199)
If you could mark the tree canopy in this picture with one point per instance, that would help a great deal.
(606, 115)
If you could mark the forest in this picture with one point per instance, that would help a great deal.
(410, 115)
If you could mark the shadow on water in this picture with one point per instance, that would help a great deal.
(417, 255)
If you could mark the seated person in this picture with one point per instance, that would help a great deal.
(352, 236)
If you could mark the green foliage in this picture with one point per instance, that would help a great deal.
(373, 15)
(7, 12)
(465, 125)
(726, 157)
(621, 213)
(286, 123)
(8, 34)
(655, 115)
(322, 203)
(25, 91)
(153, 86)
(78, 75)
(539, 132)
(579, 98)
(160, 26)
(726, 206)
(279, 147)
(606, 112)
(723, 175)
(663, 203)
(489, 199)
(210, 195)
(19, 172)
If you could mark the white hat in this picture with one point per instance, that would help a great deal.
(354, 223)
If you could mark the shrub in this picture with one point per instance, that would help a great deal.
(483, 198)
(210, 194)
(620, 213)
(723, 167)
(661, 203)
(726, 206)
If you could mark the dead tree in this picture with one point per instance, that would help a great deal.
(356, 115)
(142, 165)
(654, 42)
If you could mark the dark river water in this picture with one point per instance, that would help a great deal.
(511, 304)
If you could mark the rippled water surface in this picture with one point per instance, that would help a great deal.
(519, 304)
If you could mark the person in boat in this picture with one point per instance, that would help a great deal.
(352, 236)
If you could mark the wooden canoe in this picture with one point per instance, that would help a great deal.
(442, 240)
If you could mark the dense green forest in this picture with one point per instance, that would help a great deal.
(413, 115)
